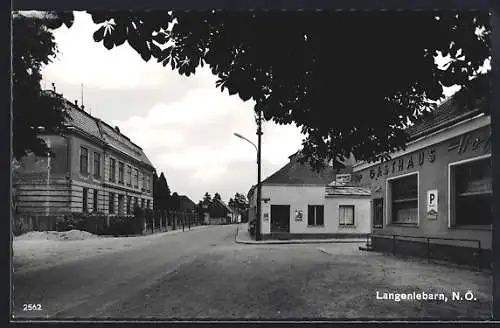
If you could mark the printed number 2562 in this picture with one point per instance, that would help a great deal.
(32, 307)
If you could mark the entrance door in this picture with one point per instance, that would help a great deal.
(280, 218)
(378, 212)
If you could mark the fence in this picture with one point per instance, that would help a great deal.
(432, 248)
(172, 220)
(159, 222)
(23, 223)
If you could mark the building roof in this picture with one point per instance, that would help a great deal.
(447, 114)
(463, 105)
(93, 126)
(185, 199)
(221, 203)
(295, 173)
(346, 191)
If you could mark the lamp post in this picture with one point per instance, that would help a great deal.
(259, 187)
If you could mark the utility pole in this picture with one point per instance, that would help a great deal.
(259, 187)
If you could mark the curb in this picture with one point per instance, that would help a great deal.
(289, 242)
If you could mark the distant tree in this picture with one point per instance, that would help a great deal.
(375, 69)
(241, 203)
(207, 199)
(231, 203)
(34, 111)
(163, 193)
(175, 202)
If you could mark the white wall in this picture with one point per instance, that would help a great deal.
(362, 215)
(298, 197)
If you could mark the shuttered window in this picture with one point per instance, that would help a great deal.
(315, 215)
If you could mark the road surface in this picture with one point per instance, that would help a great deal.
(204, 274)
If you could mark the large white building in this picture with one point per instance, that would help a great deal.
(95, 169)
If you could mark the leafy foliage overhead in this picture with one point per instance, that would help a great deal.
(350, 80)
(34, 111)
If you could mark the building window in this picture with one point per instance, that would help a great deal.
(142, 202)
(378, 212)
(136, 202)
(129, 175)
(346, 215)
(148, 183)
(315, 215)
(136, 178)
(121, 199)
(95, 200)
(473, 193)
(111, 202)
(121, 172)
(143, 181)
(129, 200)
(147, 203)
(404, 200)
(112, 169)
(97, 165)
(84, 160)
(85, 200)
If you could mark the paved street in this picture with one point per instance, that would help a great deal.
(205, 274)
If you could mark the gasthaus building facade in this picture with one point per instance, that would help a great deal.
(435, 198)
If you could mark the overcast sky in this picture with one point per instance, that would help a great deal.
(184, 124)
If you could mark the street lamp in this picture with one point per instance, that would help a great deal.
(259, 187)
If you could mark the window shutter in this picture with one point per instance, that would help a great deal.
(320, 215)
(350, 215)
(310, 215)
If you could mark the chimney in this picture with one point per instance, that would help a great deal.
(53, 87)
(76, 103)
(117, 129)
(83, 108)
(342, 179)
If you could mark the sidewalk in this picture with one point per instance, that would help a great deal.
(243, 237)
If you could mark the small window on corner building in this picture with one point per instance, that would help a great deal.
(315, 215)
(346, 215)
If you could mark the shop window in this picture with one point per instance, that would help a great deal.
(473, 193)
(129, 201)
(315, 215)
(346, 215)
(404, 200)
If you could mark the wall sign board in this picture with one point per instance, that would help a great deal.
(432, 204)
